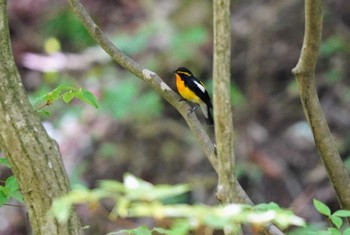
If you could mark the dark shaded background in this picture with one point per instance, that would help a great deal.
(136, 131)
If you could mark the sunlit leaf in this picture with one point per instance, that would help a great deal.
(337, 221)
(346, 231)
(61, 210)
(45, 112)
(112, 185)
(321, 207)
(17, 195)
(342, 213)
(3, 196)
(68, 96)
(87, 97)
(142, 230)
(11, 183)
(334, 231)
(162, 231)
(52, 45)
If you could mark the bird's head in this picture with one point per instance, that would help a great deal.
(182, 71)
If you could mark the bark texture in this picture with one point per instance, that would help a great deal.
(34, 157)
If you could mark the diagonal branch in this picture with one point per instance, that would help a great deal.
(304, 73)
(151, 78)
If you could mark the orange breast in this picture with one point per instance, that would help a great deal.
(185, 92)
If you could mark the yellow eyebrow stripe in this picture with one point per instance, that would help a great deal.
(181, 72)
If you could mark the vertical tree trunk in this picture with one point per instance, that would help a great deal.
(33, 156)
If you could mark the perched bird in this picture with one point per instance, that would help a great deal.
(192, 89)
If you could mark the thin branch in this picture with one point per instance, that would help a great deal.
(304, 73)
(229, 190)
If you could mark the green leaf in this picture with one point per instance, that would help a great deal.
(162, 231)
(124, 231)
(11, 184)
(52, 45)
(334, 231)
(18, 196)
(337, 221)
(180, 227)
(55, 93)
(68, 96)
(142, 190)
(142, 230)
(5, 162)
(87, 97)
(342, 213)
(3, 196)
(46, 113)
(346, 231)
(61, 209)
(112, 186)
(321, 207)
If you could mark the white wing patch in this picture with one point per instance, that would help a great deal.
(200, 86)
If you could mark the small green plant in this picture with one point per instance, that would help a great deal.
(9, 187)
(67, 93)
(336, 219)
(137, 198)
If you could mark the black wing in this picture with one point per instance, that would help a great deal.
(196, 86)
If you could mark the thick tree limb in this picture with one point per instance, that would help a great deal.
(33, 156)
(304, 73)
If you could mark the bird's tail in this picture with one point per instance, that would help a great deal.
(207, 111)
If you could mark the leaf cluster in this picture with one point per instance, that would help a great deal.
(67, 93)
(336, 219)
(10, 188)
(137, 198)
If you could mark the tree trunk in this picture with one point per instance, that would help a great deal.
(33, 156)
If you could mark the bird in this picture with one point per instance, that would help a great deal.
(193, 90)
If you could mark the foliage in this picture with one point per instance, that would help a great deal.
(68, 29)
(137, 198)
(333, 45)
(67, 93)
(335, 219)
(10, 188)
(126, 100)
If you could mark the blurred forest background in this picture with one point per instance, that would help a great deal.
(135, 131)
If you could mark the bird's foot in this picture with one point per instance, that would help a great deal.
(191, 110)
